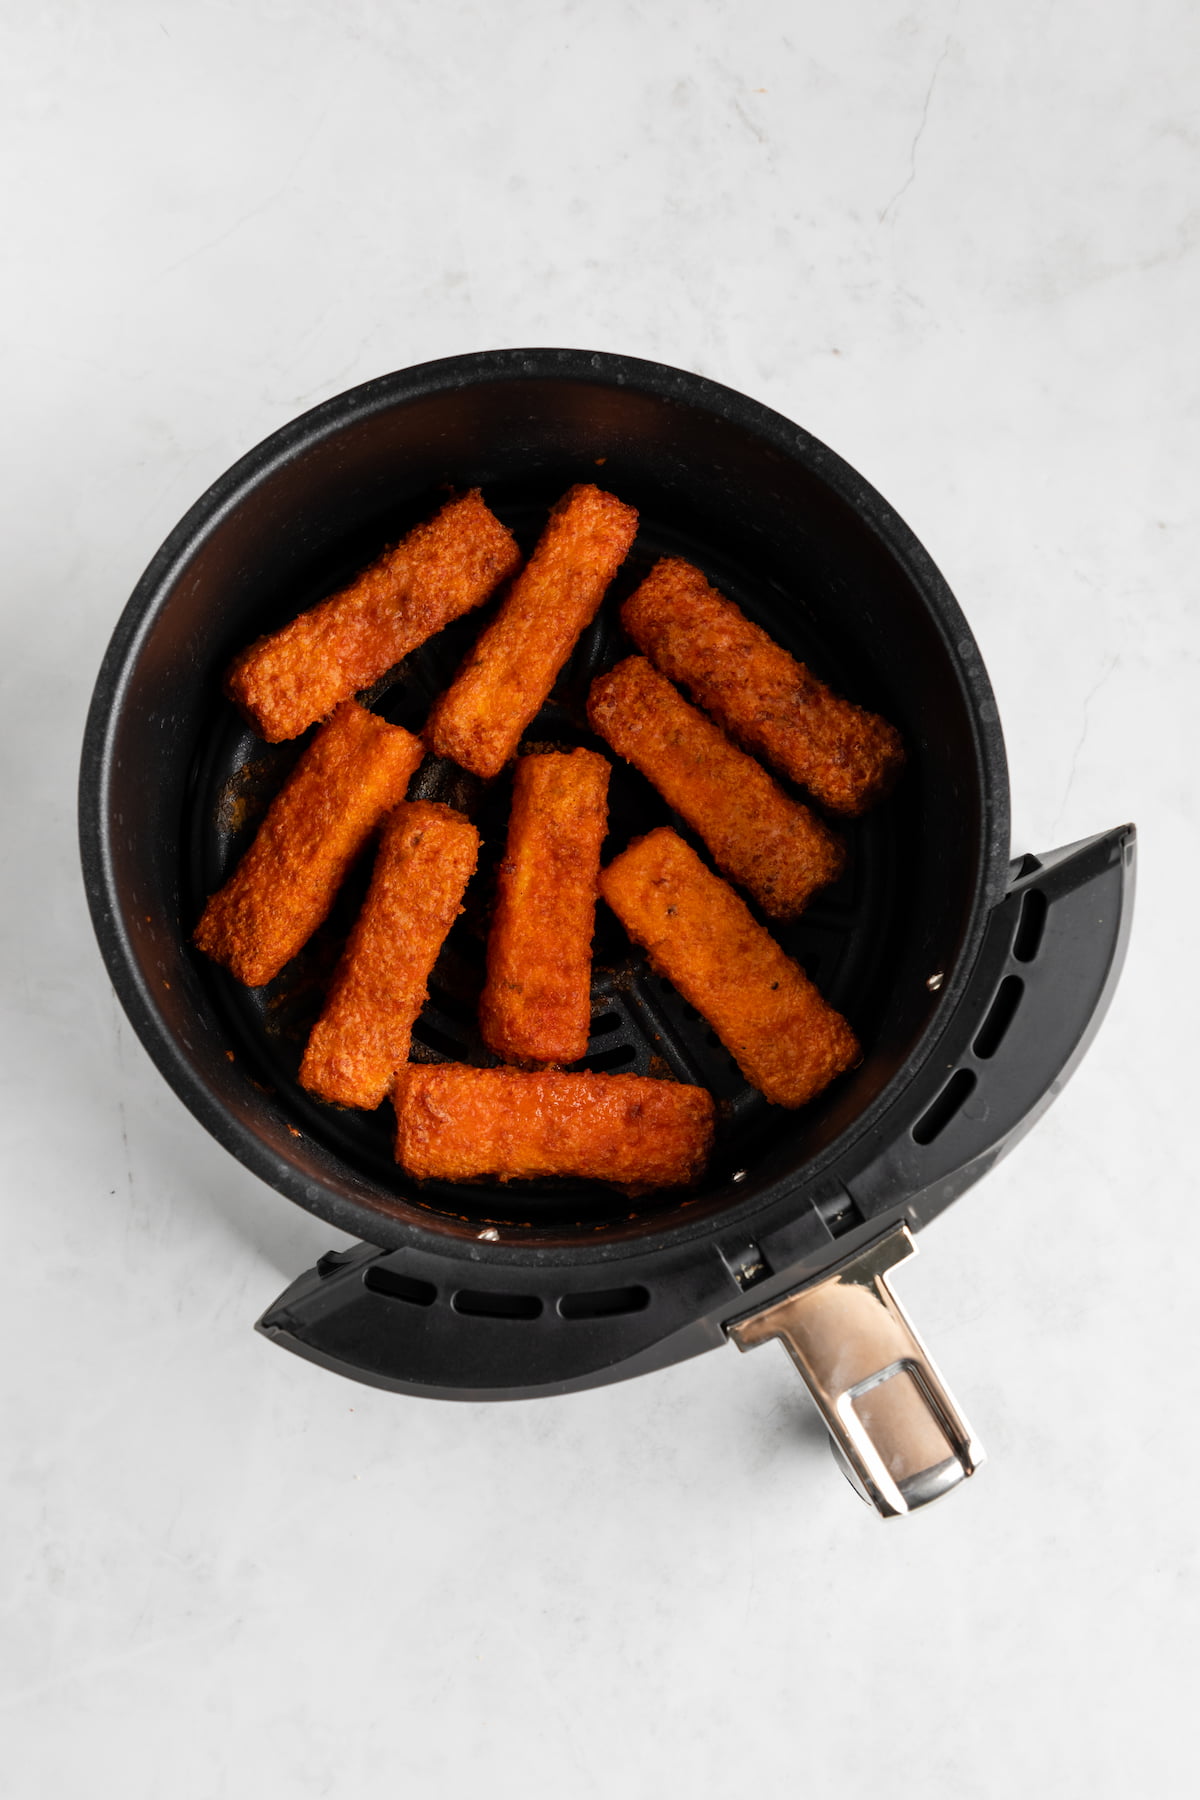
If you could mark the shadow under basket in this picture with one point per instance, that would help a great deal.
(973, 982)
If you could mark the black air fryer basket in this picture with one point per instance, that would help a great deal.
(973, 982)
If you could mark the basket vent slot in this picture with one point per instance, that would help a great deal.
(616, 1058)
(399, 1287)
(604, 1303)
(1000, 1015)
(935, 1119)
(479, 1303)
(1030, 926)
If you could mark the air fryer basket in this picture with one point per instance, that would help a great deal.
(973, 986)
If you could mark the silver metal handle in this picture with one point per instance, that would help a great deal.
(890, 1415)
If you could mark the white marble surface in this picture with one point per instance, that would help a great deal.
(959, 243)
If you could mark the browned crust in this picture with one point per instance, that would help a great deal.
(772, 846)
(457, 1123)
(442, 569)
(503, 683)
(536, 1004)
(787, 1041)
(354, 771)
(426, 857)
(770, 703)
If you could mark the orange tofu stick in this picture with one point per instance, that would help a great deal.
(426, 857)
(787, 1041)
(516, 662)
(457, 1123)
(287, 681)
(536, 1004)
(764, 698)
(774, 847)
(354, 771)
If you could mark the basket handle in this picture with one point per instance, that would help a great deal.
(891, 1417)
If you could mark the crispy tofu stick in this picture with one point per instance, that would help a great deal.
(426, 857)
(786, 1040)
(768, 702)
(354, 771)
(536, 1005)
(456, 1123)
(774, 847)
(287, 681)
(516, 662)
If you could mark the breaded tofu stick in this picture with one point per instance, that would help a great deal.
(759, 836)
(536, 1004)
(354, 771)
(426, 857)
(457, 1123)
(516, 662)
(764, 698)
(443, 568)
(787, 1041)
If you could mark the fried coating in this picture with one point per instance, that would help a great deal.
(427, 855)
(772, 846)
(354, 771)
(285, 682)
(458, 1123)
(536, 1004)
(787, 1041)
(504, 682)
(767, 701)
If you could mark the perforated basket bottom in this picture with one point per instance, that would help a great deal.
(844, 940)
